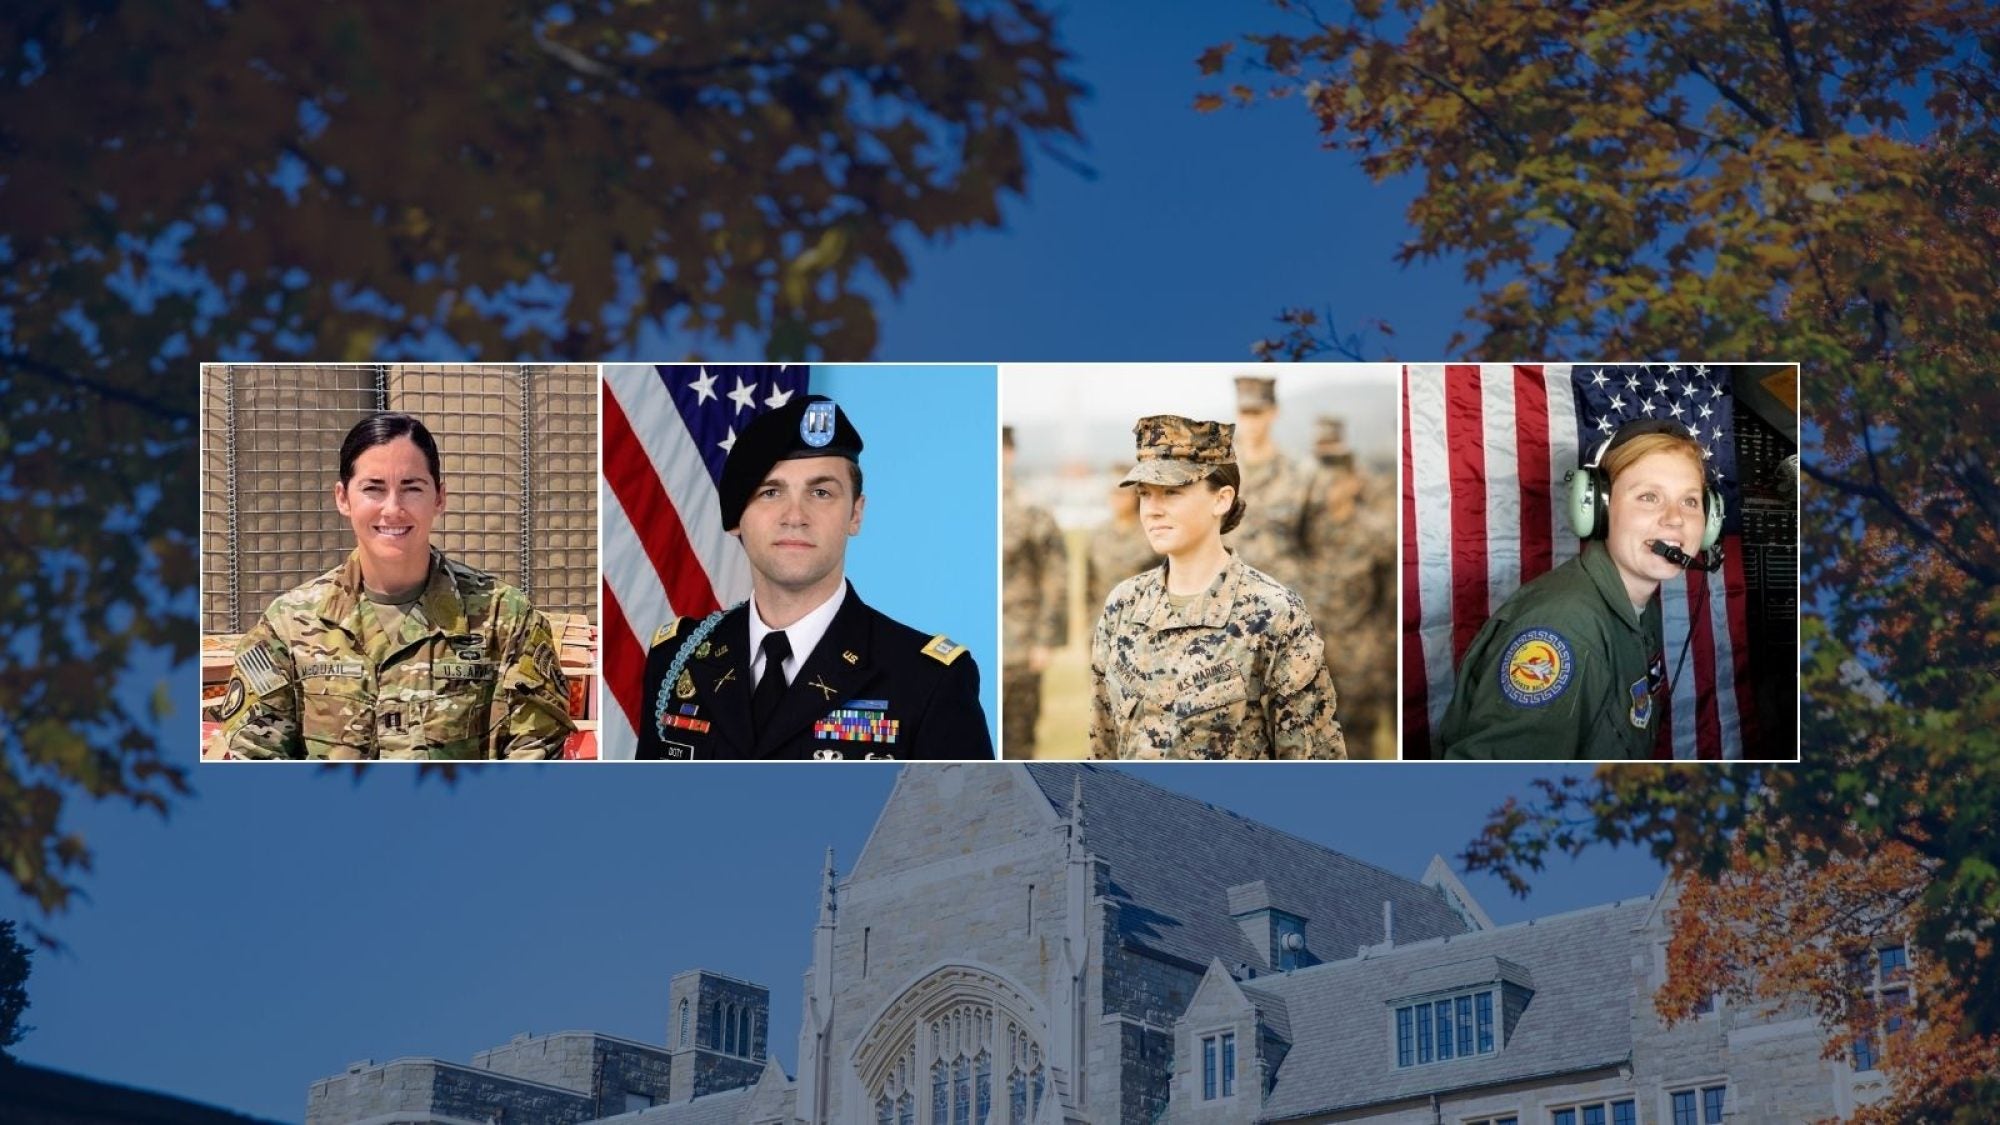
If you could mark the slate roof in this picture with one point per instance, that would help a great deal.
(1272, 1009)
(724, 1108)
(1173, 859)
(1343, 1038)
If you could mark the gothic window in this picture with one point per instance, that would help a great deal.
(684, 1022)
(961, 1032)
(961, 1092)
(743, 1032)
(885, 1111)
(715, 1025)
(729, 1029)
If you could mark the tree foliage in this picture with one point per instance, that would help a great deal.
(16, 964)
(1803, 180)
(450, 180)
(1813, 935)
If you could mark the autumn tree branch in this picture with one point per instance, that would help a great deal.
(29, 365)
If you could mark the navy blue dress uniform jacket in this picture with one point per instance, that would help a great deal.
(872, 688)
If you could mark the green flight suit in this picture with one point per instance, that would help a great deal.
(1565, 669)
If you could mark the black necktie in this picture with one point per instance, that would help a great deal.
(771, 688)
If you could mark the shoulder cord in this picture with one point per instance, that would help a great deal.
(679, 665)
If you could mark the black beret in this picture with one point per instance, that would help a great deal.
(792, 431)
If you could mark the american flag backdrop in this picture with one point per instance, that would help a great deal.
(667, 431)
(1485, 447)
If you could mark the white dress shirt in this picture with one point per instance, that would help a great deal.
(804, 634)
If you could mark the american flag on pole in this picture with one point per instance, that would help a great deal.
(667, 430)
(1485, 447)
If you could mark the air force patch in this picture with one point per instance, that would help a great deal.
(1642, 704)
(1536, 669)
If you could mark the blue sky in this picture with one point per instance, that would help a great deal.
(288, 921)
(1197, 231)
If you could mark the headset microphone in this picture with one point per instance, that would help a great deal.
(1683, 560)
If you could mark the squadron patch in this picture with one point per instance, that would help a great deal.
(943, 649)
(1642, 704)
(1536, 669)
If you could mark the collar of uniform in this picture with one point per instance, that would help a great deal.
(443, 604)
(804, 634)
(1604, 575)
(443, 607)
(1211, 607)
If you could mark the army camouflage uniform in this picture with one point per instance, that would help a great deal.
(1238, 673)
(1565, 669)
(1034, 602)
(470, 671)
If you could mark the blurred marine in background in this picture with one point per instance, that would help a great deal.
(1034, 607)
(1351, 584)
(1272, 537)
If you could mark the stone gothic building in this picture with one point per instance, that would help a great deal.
(1133, 955)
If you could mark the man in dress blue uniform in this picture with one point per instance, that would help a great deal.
(804, 669)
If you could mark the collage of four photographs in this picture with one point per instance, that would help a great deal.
(1137, 562)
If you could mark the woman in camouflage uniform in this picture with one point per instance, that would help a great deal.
(1204, 657)
(398, 652)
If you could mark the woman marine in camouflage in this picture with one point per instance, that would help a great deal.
(398, 652)
(1204, 657)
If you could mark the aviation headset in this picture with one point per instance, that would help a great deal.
(1590, 486)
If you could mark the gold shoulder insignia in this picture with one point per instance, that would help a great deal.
(666, 632)
(943, 649)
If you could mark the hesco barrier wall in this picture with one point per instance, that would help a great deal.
(518, 445)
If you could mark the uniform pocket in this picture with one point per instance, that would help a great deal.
(1211, 716)
(339, 718)
(456, 714)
